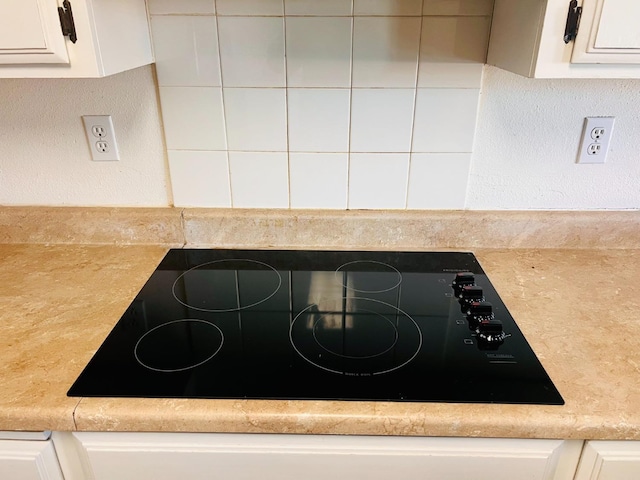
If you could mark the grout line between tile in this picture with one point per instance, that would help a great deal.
(286, 106)
(224, 113)
(353, 29)
(413, 119)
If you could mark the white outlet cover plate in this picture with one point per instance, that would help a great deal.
(588, 140)
(101, 123)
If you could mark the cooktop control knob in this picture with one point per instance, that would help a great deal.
(490, 332)
(463, 279)
(478, 311)
(470, 294)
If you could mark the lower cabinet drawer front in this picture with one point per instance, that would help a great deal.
(610, 460)
(136, 456)
(28, 460)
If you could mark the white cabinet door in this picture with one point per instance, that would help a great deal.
(527, 37)
(112, 36)
(610, 460)
(30, 33)
(167, 456)
(28, 460)
(608, 32)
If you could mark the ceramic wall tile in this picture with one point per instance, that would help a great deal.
(458, 7)
(186, 50)
(250, 7)
(318, 120)
(193, 118)
(438, 180)
(259, 180)
(256, 119)
(331, 77)
(187, 7)
(319, 52)
(453, 51)
(381, 120)
(318, 180)
(199, 179)
(315, 7)
(385, 52)
(445, 119)
(252, 51)
(387, 7)
(378, 180)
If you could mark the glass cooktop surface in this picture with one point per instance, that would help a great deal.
(388, 326)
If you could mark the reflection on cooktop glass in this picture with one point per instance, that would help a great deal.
(260, 324)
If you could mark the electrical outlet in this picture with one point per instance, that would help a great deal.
(101, 138)
(596, 135)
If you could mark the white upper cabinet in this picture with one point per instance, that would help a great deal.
(31, 33)
(609, 32)
(110, 36)
(528, 38)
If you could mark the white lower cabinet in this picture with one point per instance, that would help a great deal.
(160, 456)
(28, 460)
(610, 460)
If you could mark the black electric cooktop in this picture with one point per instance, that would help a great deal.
(392, 326)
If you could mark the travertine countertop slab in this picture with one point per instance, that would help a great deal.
(577, 308)
(57, 304)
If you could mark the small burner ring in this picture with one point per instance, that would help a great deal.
(394, 283)
(154, 331)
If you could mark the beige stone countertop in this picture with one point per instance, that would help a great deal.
(577, 308)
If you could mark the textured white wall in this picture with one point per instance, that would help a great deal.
(527, 138)
(44, 157)
(524, 155)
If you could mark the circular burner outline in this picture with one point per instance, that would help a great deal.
(339, 279)
(395, 340)
(214, 310)
(341, 372)
(172, 370)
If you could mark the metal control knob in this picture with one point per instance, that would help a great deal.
(470, 294)
(463, 279)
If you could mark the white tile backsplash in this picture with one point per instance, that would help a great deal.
(199, 179)
(359, 104)
(381, 120)
(385, 51)
(252, 51)
(256, 119)
(319, 52)
(319, 180)
(378, 180)
(259, 180)
(186, 50)
(445, 120)
(322, 8)
(318, 120)
(387, 7)
(458, 7)
(193, 118)
(250, 7)
(438, 180)
(182, 7)
(453, 51)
